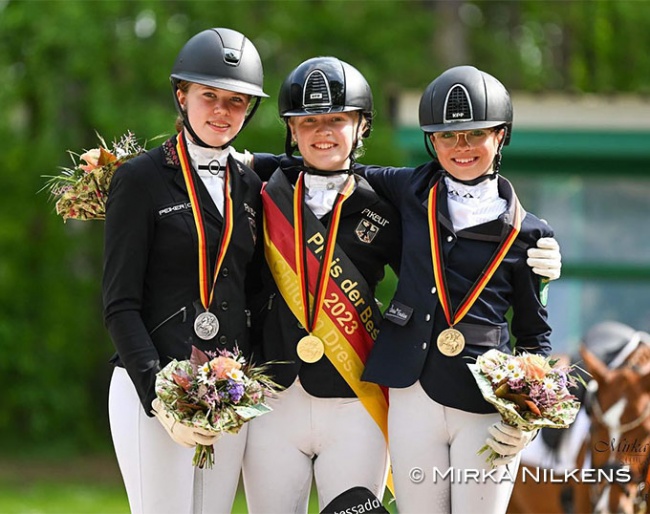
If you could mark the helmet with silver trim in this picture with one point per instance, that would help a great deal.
(324, 85)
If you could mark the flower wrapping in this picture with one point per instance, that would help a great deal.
(80, 192)
(217, 391)
(529, 391)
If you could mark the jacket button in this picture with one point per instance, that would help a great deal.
(450, 239)
(433, 290)
(299, 325)
(424, 346)
(427, 317)
(225, 272)
(223, 339)
(224, 306)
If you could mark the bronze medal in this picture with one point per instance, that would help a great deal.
(206, 325)
(310, 349)
(451, 342)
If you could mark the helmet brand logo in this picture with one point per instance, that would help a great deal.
(458, 105)
(231, 56)
(316, 96)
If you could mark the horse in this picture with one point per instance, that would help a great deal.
(615, 448)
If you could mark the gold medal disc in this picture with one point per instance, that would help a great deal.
(451, 342)
(310, 349)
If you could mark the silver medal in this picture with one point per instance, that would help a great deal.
(206, 325)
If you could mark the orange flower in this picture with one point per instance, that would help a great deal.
(535, 367)
(222, 366)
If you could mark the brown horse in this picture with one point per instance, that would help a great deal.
(620, 430)
(618, 444)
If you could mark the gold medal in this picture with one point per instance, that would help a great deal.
(451, 342)
(310, 349)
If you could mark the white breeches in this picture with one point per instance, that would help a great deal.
(158, 473)
(433, 453)
(333, 440)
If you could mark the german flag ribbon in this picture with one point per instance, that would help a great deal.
(300, 244)
(454, 317)
(207, 283)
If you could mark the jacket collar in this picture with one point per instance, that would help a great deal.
(239, 182)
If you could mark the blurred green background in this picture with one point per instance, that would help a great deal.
(71, 69)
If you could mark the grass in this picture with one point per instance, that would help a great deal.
(88, 485)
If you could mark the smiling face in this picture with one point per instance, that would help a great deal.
(467, 154)
(216, 115)
(325, 140)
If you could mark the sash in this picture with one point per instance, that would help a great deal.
(349, 318)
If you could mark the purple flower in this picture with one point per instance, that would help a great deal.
(235, 390)
(542, 396)
(517, 385)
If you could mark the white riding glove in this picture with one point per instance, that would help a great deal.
(180, 433)
(546, 259)
(508, 441)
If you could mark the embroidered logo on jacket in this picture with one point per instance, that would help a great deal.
(366, 231)
(173, 209)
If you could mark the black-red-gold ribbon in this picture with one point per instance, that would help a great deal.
(472, 295)
(206, 289)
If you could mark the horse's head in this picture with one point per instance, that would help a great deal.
(619, 404)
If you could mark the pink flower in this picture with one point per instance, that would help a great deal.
(91, 158)
(96, 158)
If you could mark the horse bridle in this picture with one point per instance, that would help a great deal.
(594, 404)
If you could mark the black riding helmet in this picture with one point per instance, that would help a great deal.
(221, 58)
(465, 98)
(324, 85)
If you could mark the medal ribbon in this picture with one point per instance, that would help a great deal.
(207, 293)
(311, 314)
(438, 260)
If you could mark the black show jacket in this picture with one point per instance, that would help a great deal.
(280, 331)
(151, 285)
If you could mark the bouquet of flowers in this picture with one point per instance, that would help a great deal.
(529, 391)
(218, 392)
(80, 192)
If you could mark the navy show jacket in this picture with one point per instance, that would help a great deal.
(405, 350)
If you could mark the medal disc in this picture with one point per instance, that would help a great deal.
(206, 325)
(310, 349)
(450, 342)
